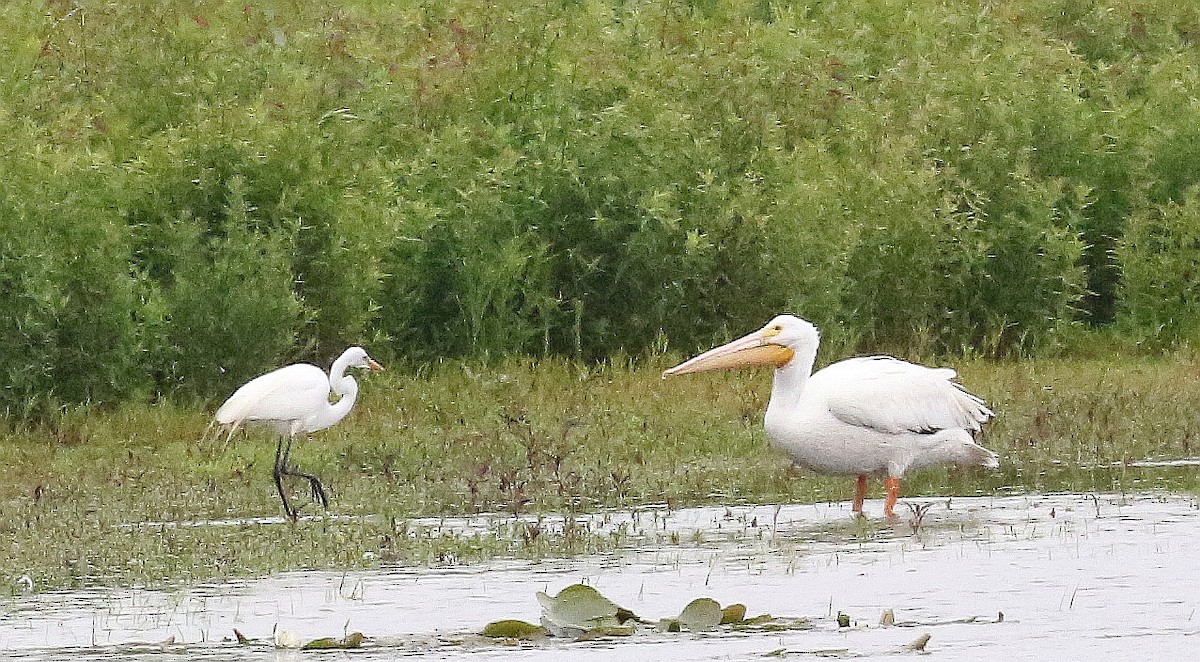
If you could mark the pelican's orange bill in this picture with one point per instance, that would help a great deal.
(734, 356)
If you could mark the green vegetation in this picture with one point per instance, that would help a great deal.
(194, 191)
(548, 440)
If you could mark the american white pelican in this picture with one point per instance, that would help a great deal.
(295, 400)
(870, 416)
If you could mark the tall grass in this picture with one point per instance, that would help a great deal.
(547, 439)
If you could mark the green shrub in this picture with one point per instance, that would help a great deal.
(231, 312)
(67, 332)
(582, 179)
(218, 265)
(307, 224)
(1160, 258)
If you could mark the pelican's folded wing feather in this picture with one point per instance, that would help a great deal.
(894, 396)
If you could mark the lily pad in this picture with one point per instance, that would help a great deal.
(579, 608)
(918, 645)
(286, 639)
(352, 640)
(769, 623)
(512, 628)
(580, 612)
(735, 613)
(700, 615)
(607, 631)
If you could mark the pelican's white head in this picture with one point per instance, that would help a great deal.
(776, 344)
(792, 332)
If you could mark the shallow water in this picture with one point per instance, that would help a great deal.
(1074, 575)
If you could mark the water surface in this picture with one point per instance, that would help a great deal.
(1074, 576)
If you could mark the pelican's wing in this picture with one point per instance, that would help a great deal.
(890, 395)
(289, 393)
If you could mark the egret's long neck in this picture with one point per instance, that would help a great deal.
(791, 378)
(347, 390)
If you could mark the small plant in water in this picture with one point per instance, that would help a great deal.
(919, 510)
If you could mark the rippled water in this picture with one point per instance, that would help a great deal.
(1074, 575)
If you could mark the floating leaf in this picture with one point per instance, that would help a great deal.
(768, 623)
(700, 615)
(607, 631)
(843, 620)
(513, 629)
(733, 614)
(352, 640)
(579, 608)
(241, 638)
(888, 618)
(286, 639)
(919, 644)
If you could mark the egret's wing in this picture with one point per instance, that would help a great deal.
(890, 395)
(289, 393)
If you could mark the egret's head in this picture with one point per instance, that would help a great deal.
(356, 357)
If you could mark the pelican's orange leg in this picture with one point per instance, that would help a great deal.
(860, 493)
(893, 493)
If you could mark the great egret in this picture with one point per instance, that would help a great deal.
(870, 416)
(295, 400)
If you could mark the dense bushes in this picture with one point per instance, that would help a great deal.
(66, 331)
(1160, 253)
(191, 192)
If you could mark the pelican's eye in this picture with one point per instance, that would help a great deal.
(774, 330)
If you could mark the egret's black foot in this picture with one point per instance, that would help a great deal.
(314, 486)
(318, 491)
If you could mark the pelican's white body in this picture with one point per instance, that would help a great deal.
(865, 416)
(874, 416)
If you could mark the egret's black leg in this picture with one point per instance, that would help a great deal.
(280, 470)
(314, 484)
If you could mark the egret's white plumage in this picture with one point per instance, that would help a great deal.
(870, 416)
(295, 400)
